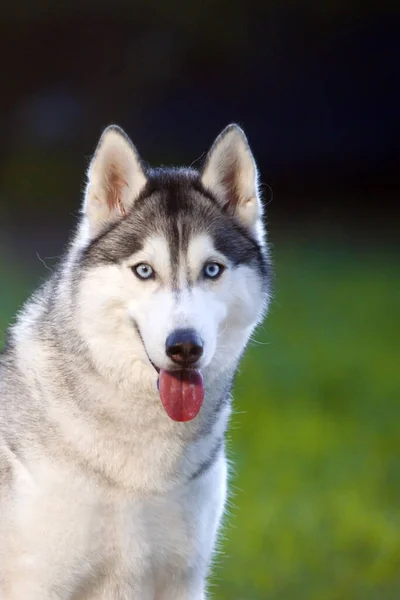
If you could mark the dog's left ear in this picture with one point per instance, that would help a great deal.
(115, 179)
(230, 173)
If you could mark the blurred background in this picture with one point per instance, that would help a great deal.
(315, 440)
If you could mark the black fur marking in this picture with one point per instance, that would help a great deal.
(208, 426)
(174, 248)
(209, 462)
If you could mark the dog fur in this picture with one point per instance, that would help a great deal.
(102, 495)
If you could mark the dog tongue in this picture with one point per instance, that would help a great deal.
(181, 393)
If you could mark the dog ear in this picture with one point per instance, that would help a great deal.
(231, 175)
(115, 179)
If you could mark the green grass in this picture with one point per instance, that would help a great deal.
(315, 441)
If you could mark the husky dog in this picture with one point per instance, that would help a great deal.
(115, 381)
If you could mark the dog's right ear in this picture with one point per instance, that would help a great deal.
(115, 179)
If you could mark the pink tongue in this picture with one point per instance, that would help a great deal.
(181, 393)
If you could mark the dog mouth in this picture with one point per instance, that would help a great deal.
(181, 393)
(181, 390)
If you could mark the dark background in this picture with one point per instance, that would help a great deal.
(315, 438)
(314, 84)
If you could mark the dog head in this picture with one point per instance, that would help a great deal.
(175, 271)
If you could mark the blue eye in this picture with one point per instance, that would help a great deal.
(212, 270)
(143, 271)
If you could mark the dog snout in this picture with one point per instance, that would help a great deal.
(184, 346)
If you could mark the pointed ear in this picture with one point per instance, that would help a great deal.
(115, 179)
(230, 173)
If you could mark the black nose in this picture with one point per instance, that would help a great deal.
(184, 346)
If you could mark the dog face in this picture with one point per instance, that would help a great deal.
(175, 270)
